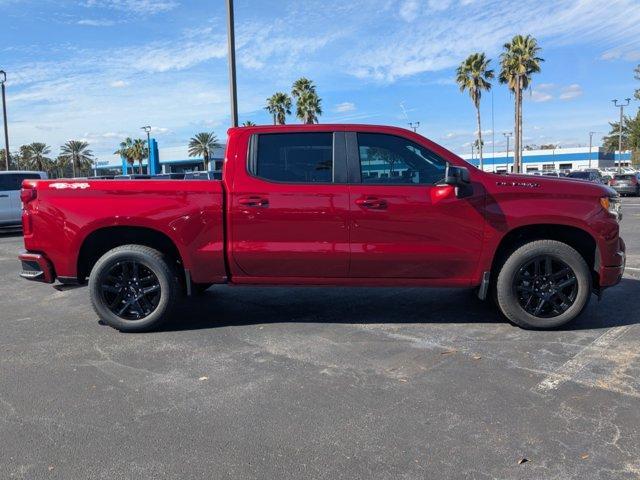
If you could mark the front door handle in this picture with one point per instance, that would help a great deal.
(372, 203)
(254, 201)
(4, 196)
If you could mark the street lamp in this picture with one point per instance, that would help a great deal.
(414, 126)
(3, 80)
(231, 45)
(621, 106)
(147, 129)
(507, 135)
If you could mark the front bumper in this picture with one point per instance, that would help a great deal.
(36, 267)
(611, 275)
(626, 189)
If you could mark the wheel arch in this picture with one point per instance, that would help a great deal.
(100, 241)
(579, 239)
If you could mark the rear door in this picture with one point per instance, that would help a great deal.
(405, 223)
(289, 206)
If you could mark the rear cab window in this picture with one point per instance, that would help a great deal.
(293, 157)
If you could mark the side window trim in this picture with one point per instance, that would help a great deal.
(339, 164)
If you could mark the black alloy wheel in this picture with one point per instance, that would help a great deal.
(131, 290)
(545, 286)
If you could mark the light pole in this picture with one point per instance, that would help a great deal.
(231, 45)
(3, 79)
(507, 135)
(414, 126)
(147, 129)
(621, 106)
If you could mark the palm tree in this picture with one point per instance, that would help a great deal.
(308, 104)
(138, 152)
(518, 62)
(23, 157)
(279, 105)
(474, 75)
(78, 153)
(248, 123)
(38, 156)
(308, 107)
(203, 145)
(125, 151)
(301, 86)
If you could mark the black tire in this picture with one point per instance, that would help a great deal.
(110, 291)
(517, 287)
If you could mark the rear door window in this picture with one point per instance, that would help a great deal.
(294, 157)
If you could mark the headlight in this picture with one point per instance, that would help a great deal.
(613, 206)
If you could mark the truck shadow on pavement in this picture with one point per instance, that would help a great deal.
(225, 306)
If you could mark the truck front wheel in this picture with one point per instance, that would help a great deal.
(543, 284)
(133, 288)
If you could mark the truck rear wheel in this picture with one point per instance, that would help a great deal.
(543, 284)
(133, 288)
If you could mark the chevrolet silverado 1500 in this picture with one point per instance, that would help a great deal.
(327, 205)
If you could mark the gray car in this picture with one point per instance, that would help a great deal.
(626, 183)
(10, 205)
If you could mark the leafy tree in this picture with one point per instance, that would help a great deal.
(125, 151)
(518, 62)
(139, 152)
(301, 86)
(474, 75)
(279, 105)
(637, 77)
(308, 103)
(13, 160)
(610, 142)
(78, 154)
(203, 145)
(38, 159)
(62, 164)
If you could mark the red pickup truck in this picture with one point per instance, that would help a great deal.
(327, 205)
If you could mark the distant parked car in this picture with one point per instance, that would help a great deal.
(626, 183)
(589, 176)
(10, 204)
(203, 176)
(169, 176)
(135, 176)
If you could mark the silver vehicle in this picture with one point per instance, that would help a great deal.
(10, 205)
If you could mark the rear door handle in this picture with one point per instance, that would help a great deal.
(372, 203)
(4, 196)
(254, 201)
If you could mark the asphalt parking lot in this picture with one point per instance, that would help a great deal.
(319, 383)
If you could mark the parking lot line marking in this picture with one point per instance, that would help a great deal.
(593, 351)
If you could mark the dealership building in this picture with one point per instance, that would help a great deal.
(578, 158)
(177, 159)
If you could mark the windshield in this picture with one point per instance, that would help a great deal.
(584, 175)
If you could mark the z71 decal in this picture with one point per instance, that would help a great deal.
(65, 185)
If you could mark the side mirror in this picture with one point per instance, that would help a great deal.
(457, 176)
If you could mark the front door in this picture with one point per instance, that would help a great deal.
(405, 223)
(289, 211)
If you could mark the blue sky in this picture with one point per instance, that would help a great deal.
(99, 69)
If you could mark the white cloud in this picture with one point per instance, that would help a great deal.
(345, 107)
(485, 25)
(134, 6)
(95, 23)
(118, 84)
(409, 10)
(571, 92)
